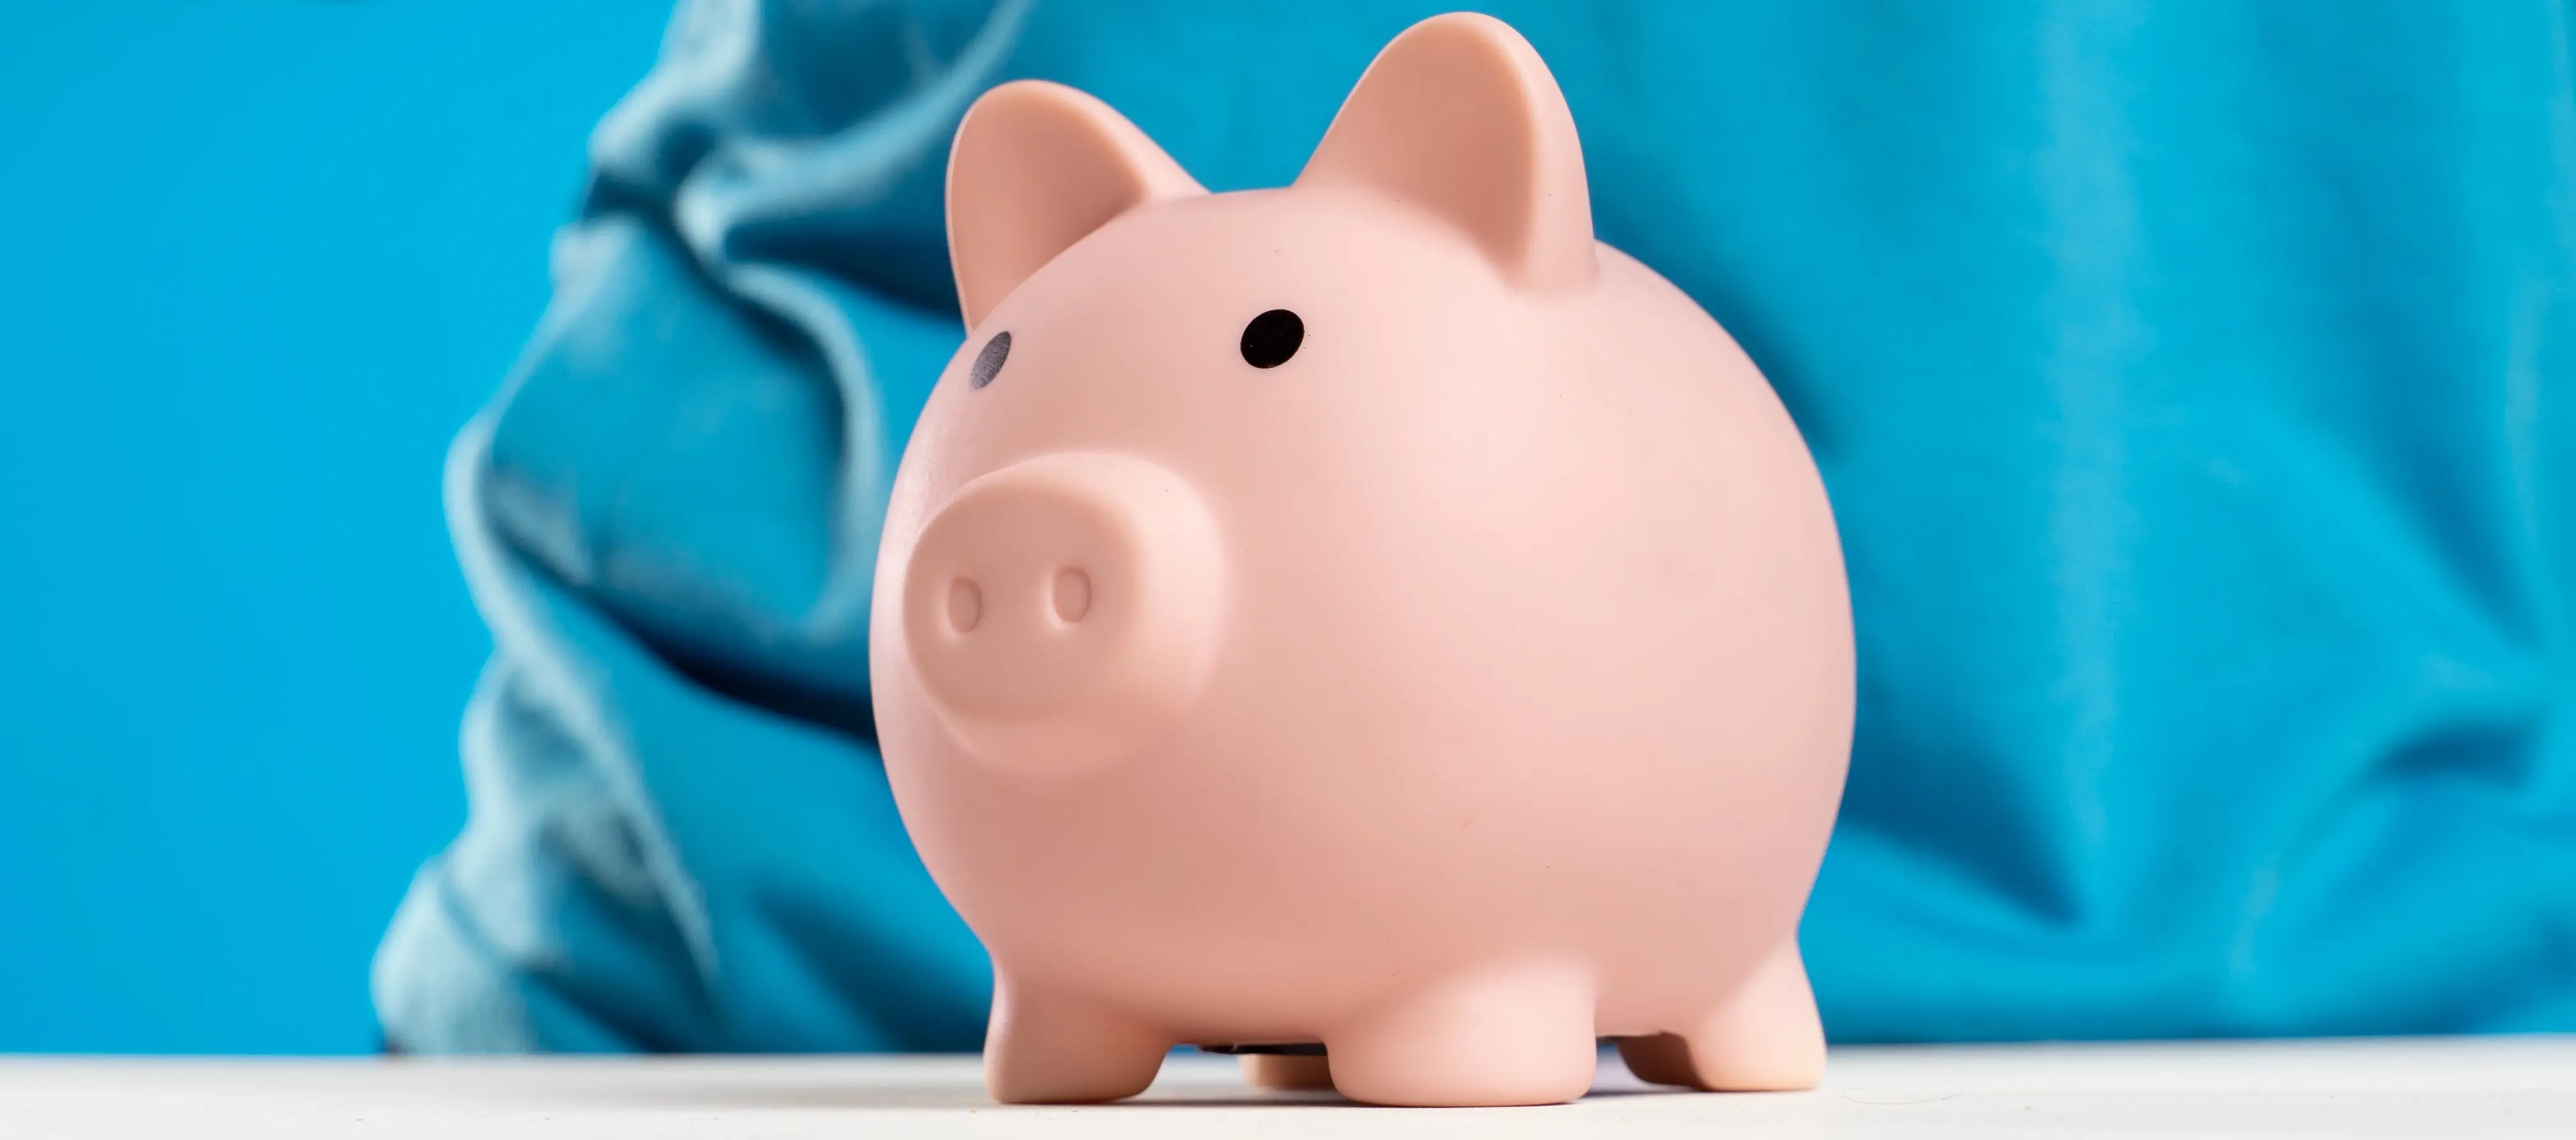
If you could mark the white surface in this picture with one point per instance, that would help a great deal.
(2466, 1088)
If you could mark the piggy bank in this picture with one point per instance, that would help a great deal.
(1370, 621)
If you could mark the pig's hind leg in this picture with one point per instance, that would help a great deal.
(1046, 1048)
(1765, 1037)
(1517, 1035)
(1284, 1073)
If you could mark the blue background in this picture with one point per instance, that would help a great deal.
(220, 213)
(2190, 379)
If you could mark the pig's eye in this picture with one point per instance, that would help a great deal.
(1272, 338)
(988, 363)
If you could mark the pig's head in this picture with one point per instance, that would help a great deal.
(1124, 463)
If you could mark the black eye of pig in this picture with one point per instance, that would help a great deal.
(1272, 338)
(988, 363)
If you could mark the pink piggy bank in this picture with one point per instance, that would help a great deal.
(1368, 614)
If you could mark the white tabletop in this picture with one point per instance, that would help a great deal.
(2486, 1087)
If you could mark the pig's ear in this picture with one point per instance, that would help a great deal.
(1036, 166)
(1459, 116)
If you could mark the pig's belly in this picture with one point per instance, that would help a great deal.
(1258, 916)
(1207, 974)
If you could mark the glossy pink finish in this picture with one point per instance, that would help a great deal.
(1474, 683)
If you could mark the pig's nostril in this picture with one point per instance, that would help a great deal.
(965, 604)
(1072, 594)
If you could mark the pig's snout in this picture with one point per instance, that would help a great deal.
(1064, 611)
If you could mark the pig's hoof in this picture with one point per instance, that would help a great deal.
(1515, 1036)
(1048, 1050)
(1286, 1072)
(1766, 1038)
(1660, 1059)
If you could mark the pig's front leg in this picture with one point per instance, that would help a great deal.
(1050, 1048)
(1513, 1035)
(1763, 1038)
